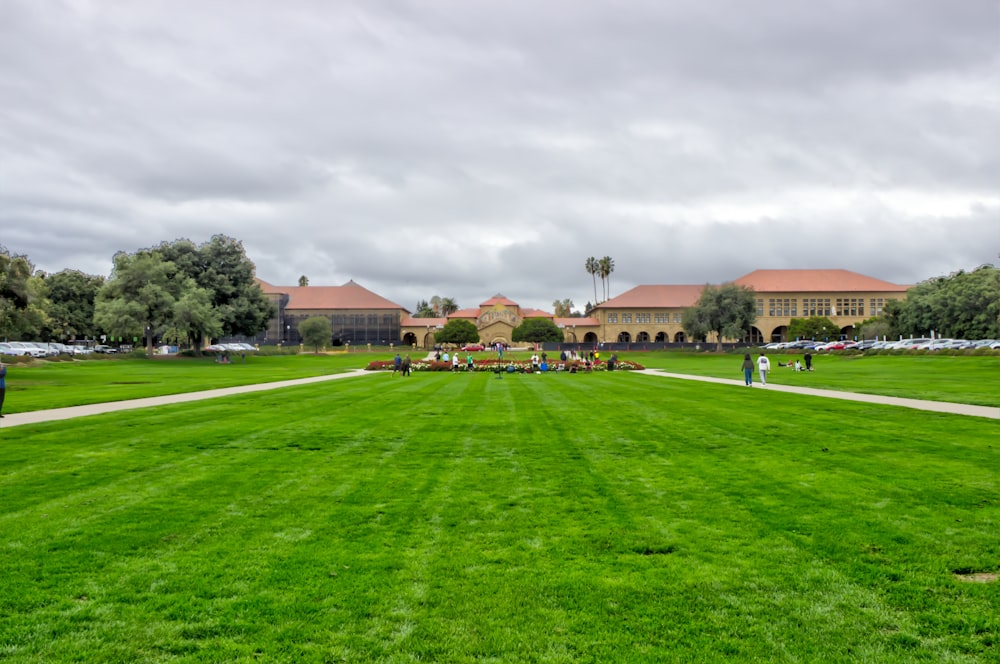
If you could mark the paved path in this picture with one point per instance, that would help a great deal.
(919, 404)
(34, 417)
(15, 419)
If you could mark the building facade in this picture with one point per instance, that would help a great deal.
(496, 319)
(647, 314)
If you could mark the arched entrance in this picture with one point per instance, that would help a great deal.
(779, 333)
(409, 339)
(680, 338)
(624, 338)
(661, 337)
(756, 336)
(590, 338)
(642, 338)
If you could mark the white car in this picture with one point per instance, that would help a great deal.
(29, 349)
(7, 349)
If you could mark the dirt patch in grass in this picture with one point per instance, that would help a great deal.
(976, 577)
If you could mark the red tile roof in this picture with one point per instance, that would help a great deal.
(814, 281)
(471, 314)
(349, 296)
(535, 313)
(655, 296)
(498, 299)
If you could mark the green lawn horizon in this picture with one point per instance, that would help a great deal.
(466, 518)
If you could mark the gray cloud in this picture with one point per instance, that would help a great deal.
(460, 149)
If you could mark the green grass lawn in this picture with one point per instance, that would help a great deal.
(972, 380)
(44, 384)
(459, 518)
(960, 379)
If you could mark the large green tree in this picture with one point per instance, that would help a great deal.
(728, 310)
(316, 332)
(961, 305)
(194, 317)
(221, 267)
(814, 327)
(537, 330)
(22, 298)
(458, 331)
(139, 297)
(71, 295)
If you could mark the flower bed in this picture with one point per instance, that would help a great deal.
(494, 364)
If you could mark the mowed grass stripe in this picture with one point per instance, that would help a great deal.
(464, 517)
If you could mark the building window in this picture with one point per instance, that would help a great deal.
(782, 307)
(876, 304)
(816, 306)
(662, 317)
(643, 318)
(677, 318)
(853, 306)
(626, 318)
(760, 306)
(612, 318)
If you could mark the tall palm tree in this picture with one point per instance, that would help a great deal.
(605, 267)
(592, 268)
(448, 306)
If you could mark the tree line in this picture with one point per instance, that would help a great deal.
(176, 291)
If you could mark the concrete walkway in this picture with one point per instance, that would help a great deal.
(34, 417)
(919, 404)
(15, 419)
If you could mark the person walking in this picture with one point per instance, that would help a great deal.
(3, 384)
(763, 366)
(809, 361)
(747, 369)
(406, 365)
(397, 364)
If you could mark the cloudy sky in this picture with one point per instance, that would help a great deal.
(463, 148)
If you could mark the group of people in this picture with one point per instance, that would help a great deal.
(763, 366)
(401, 364)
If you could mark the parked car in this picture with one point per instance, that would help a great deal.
(47, 349)
(471, 347)
(29, 349)
(7, 349)
(107, 350)
(909, 344)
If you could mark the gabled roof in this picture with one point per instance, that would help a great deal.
(814, 281)
(654, 296)
(471, 314)
(349, 296)
(535, 313)
(498, 299)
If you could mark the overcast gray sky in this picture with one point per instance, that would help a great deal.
(462, 148)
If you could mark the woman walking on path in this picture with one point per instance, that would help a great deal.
(763, 366)
(748, 370)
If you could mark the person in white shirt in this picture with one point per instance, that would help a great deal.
(763, 366)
